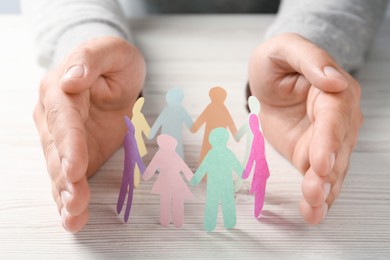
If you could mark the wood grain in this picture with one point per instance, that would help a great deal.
(194, 53)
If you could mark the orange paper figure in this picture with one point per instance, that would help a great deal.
(215, 115)
(169, 184)
(141, 127)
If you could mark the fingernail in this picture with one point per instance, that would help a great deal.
(64, 216)
(65, 166)
(332, 160)
(76, 71)
(326, 186)
(331, 72)
(324, 210)
(65, 196)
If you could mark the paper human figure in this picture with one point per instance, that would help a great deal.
(172, 118)
(169, 185)
(245, 130)
(132, 159)
(141, 127)
(261, 171)
(219, 164)
(215, 115)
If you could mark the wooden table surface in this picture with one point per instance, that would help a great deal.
(194, 53)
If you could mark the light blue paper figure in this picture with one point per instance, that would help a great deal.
(172, 118)
(219, 164)
(245, 130)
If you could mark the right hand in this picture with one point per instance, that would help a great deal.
(79, 116)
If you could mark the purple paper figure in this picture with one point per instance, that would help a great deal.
(132, 159)
(169, 184)
(261, 171)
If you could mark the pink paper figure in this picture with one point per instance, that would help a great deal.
(132, 159)
(215, 115)
(169, 184)
(261, 171)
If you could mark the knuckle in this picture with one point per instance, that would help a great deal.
(47, 146)
(52, 116)
(81, 55)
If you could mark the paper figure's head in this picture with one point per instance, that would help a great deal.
(138, 105)
(129, 124)
(254, 123)
(174, 96)
(254, 105)
(217, 94)
(166, 142)
(219, 137)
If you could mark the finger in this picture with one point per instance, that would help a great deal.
(74, 224)
(76, 198)
(340, 170)
(330, 127)
(105, 55)
(313, 215)
(315, 189)
(65, 124)
(313, 62)
(50, 151)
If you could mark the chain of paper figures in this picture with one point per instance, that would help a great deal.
(216, 159)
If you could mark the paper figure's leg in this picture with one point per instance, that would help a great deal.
(259, 200)
(137, 178)
(165, 209)
(129, 203)
(210, 216)
(229, 211)
(122, 195)
(178, 211)
(129, 196)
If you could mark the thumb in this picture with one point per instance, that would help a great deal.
(93, 59)
(315, 64)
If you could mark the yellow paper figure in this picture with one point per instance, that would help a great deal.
(141, 127)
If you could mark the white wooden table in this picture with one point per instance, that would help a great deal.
(194, 53)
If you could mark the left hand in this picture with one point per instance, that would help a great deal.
(310, 112)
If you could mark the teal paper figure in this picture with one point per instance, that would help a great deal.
(219, 163)
(245, 130)
(172, 118)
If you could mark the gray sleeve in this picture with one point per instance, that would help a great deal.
(344, 28)
(58, 26)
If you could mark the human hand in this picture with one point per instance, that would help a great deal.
(79, 117)
(310, 112)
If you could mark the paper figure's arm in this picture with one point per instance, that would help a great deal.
(200, 121)
(230, 123)
(236, 165)
(145, 126)
(249, 164)
(152, 168)
(187, 119)
(185, 170)
(200, 173)
(140, 163)
(157, 124)
(241, 132)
